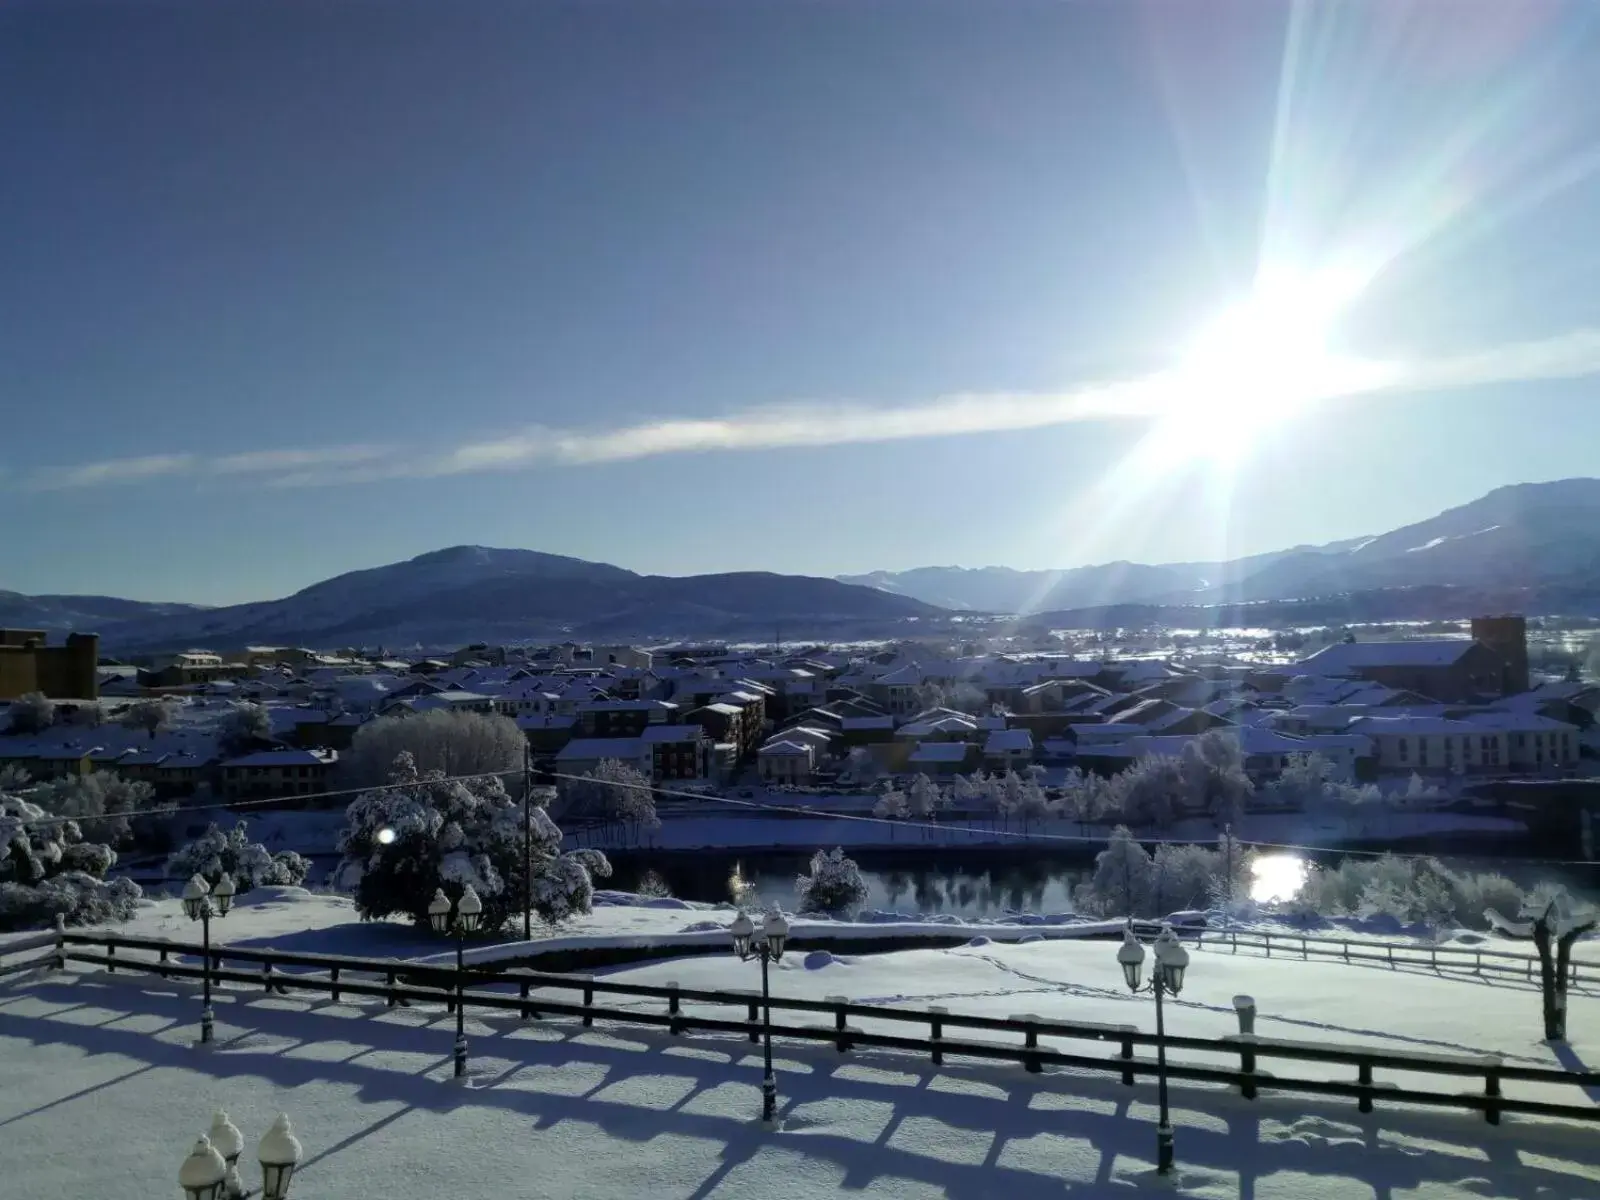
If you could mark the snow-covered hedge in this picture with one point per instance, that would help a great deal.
(1410, 890)
(251, 864)
(834, 885)
(422, 831)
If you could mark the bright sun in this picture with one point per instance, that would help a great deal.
(1257, 364)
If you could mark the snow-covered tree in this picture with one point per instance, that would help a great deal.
(860, 767)
(1031, 802)
(834, 885)
(922, 801)
(1554, 922)
(250, 864)
(454, 743)
(891, 806)
(1123, 874)
(152, 714)
(108, 807)
(451, 833)
(47, 870)
(244, 726)
(1151, 790)
(1418, 794)
(1213, 769)
(32, 712)
(615, 794)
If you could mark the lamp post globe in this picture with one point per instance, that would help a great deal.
(195, 897)
(1130, 956)
(202, 1172)
(1172, 960)
(439, 911)
(469, 910)
(223, 894)
(225, 1137)
(775, 931)
(279, 1154)
(742, 930)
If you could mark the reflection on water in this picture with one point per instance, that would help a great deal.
(1276, 877)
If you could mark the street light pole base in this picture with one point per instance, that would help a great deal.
(769, 1100)
(207, 1025)
(461, 1057)
(1163, 1149)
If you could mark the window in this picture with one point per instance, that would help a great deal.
(1404, 745)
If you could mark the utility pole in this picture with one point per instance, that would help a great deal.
(527, 842)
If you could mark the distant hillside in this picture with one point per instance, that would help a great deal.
(472, 593)
(1537, 541)
(86, 613)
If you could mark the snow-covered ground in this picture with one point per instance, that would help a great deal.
(106, 1090)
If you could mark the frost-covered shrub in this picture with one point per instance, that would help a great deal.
(77, 898)
(31, 712)
(653, 883)
(455, 743)
(450, 833)
(834, 885)
(108, 807)
(251, 864)
(1408, 890)
(48, 870)
(244, 726)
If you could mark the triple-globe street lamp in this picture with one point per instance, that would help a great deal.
(211, 1172)
(1172, 960)
(467, 916)
(768, 947)
(201, 902)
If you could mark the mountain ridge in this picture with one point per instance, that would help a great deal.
(1520, 535)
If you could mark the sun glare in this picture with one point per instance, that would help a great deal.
(1259, 363)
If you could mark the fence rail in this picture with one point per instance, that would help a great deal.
(1394, 954)
(402, 982)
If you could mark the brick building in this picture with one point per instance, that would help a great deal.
(67, 672)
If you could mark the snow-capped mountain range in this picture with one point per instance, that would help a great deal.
(1535, 547)
(1522, 536)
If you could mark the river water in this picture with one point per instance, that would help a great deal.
(978, 885)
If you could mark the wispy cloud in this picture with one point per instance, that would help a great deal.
(256, 461)
(116, 470)
(1569, 356)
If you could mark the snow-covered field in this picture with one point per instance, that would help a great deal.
(107, 1091)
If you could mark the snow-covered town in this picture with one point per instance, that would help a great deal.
(925, 599)
(1327, 837)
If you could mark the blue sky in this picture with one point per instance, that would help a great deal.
(293, 288)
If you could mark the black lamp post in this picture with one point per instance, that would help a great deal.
(468, 915)
(1171, 962)
(201, 902)
(768, 947)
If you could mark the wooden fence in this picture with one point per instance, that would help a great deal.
(1474, 959)
(932, 1031)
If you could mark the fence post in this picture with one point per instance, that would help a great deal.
(841, 1041)
(936, 1015)
(1127, 1057)
(266, 976)
(754, 1017)
(111, 955)
(1268, 938)
(1245, 1007)
(1030, 1040)
(1491, 1089)
(1304, 953)
(1390, 950)
(388, 982)
(60, 961)
(162, 970)
(1364, 1078)
(1233, 934)
(333, 992)
(588, 1000)
(1347, 952)
(526, 1012)
(674, 1009)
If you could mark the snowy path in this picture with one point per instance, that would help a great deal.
(106, 1092)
